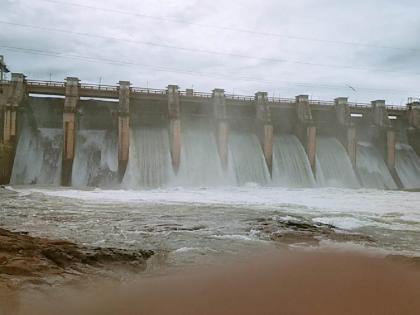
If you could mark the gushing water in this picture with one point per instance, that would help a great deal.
(333, 165)
(38, 156)
(247, 159)
(291, 166)
(372, 169)
(95, 162)
(149, 164)
(407, 166)
(200, 163)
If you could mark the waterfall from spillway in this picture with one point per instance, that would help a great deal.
(407, 165)
(291, 166)
(149, 164)
(200, 163)
(247, 159)
(96, 159)
(372, 169)
(38, 156)
(333, 165)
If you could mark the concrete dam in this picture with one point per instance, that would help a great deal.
(75, 134)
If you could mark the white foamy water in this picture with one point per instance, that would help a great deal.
(407, 165)
(205, 224)
(95, 162)
(291, 166)
(38, 157)
(247, 159)
(333, 165)
(312, 200)
(371, 167)
(149, 164)
(200, 162)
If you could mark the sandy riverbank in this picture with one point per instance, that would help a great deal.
(285, 283)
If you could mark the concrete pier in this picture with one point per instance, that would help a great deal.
(12, 99)
(413, 131)
(69, 128)
(345, 130)
(306, 129)
(6, 163)
(174, 125)
(387, 137)
(390, 146)
(265, 127)
(123, 127)
(258, 113)
(222, 126)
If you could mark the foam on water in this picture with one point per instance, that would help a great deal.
(310, 200)
(227, 219)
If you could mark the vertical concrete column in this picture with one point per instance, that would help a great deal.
(12, 99)
(351, 144)
(69, 127)
(306, 130)
(123, 127)
(345, 130)
(342, 110)
(219, 107)
(380, 114)
(303, 108)
(16, 95)
(387, 136)
(414, 129)
(311, 146)
(414, 115)
(174, 125)
(390, 149)
(265, 126)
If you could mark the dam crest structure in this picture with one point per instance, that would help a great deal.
(75, 134)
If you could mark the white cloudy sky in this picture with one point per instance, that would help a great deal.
(315, 47)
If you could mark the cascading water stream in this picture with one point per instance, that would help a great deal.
(291, 166)
(96, 159)
(200, 163)
(38, 156)
(333, 165)
(371, 167)
(407, 166)
(247, 159)
(149, 164)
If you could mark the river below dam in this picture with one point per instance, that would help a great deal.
(204, 226)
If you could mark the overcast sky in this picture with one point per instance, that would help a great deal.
(362, 49)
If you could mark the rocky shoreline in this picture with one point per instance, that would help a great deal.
(27, 261)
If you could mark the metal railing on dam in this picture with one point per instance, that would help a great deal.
(169, 115)
(111, 91)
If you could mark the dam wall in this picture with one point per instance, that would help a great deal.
(77, 134)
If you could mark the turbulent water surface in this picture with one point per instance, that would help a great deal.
(198, 225)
